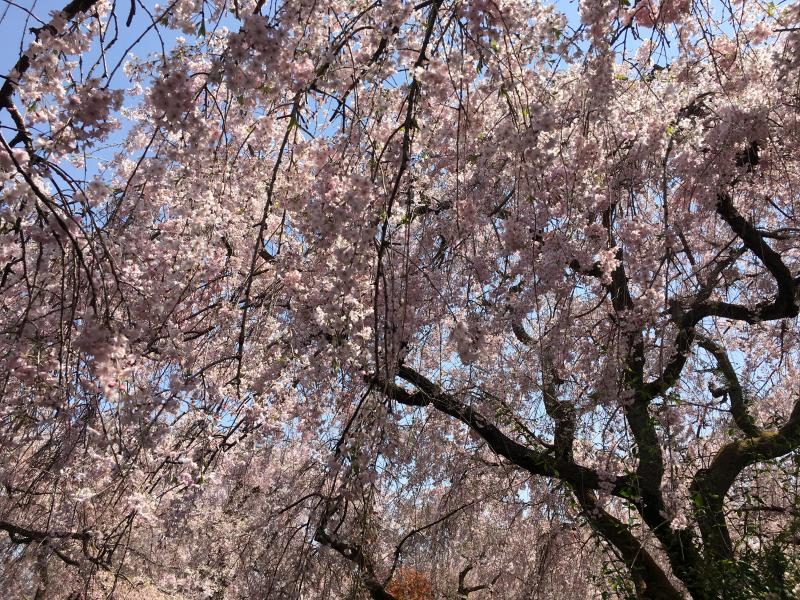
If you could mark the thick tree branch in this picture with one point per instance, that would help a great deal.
(465, 590)
(562, 413)
(711, 485)
(680, 546)
(23, 64)
(651, 462)
(354, 553)
(674, 367)
(22, 535)
(649, 579)
(733, 388)
(537, 463)
(755, 242)
(686, 330)
(785, 303)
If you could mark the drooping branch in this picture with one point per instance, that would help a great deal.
(399, 547)
(409, 124)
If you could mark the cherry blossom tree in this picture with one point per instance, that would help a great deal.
(401, 300)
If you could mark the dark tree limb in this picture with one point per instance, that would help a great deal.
(733, 388)
(23, 535)
(755, 242)
(562, 412)
(465, 590)
(649, 579)
(354, 553)
(783, 306)
(23, 64)
(533, 461)
(710, 486)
